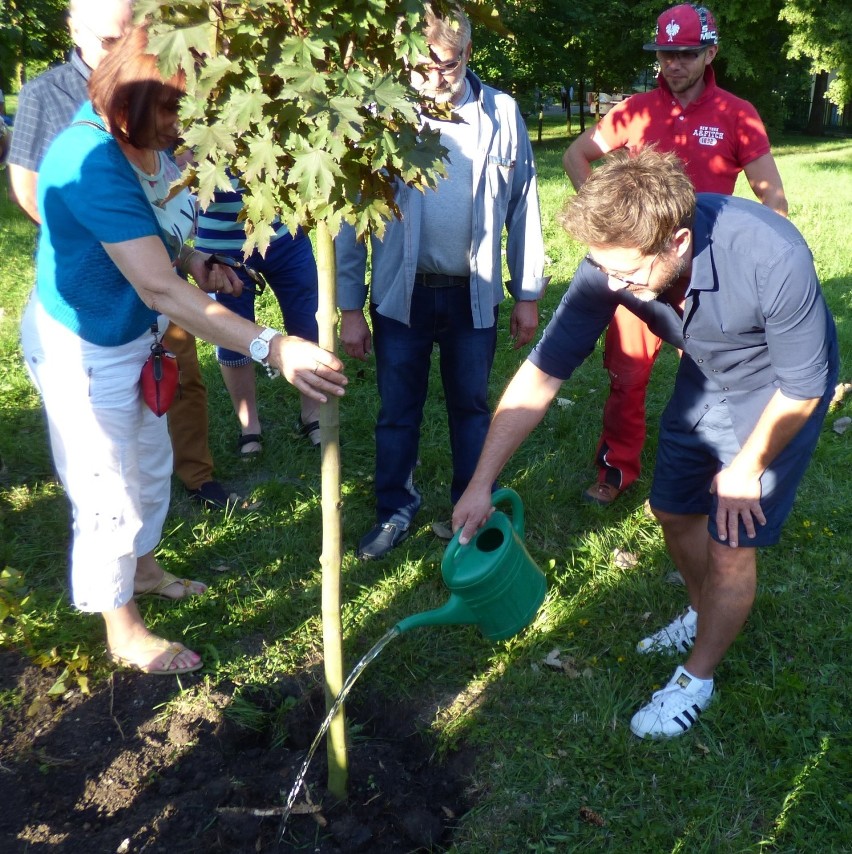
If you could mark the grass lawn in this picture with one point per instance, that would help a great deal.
(769, 765)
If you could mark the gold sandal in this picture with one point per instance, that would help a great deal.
(167, 580)
(170, 649)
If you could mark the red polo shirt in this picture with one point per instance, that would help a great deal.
(715, 136)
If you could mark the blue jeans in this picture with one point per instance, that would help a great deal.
(291, 272)
(403, 355)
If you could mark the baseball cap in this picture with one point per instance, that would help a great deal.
(685, 27)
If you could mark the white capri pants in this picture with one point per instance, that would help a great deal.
(111, 453)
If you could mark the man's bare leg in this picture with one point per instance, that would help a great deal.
(721, 582)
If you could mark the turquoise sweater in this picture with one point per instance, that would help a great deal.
(88, 194)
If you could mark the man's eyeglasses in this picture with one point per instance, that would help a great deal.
(259, 282)
(444, 68)
(107, 42)
(628, 283)
(666, 57)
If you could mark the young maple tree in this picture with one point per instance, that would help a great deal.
(310, 103)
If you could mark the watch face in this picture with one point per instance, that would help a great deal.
(259, 349)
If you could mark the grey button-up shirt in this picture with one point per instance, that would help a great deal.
(754, 319)
(505, 195)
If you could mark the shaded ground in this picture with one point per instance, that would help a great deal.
(137, 766)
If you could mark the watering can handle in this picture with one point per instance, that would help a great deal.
(503, 494)
(506, 494)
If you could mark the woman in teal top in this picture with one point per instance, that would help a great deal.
(104, 277)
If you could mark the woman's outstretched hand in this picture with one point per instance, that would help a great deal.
(312, 370)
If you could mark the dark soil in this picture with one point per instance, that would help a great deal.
(138, 765)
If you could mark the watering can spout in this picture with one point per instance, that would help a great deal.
(453, 612)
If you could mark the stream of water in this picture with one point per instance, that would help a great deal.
(351, 679)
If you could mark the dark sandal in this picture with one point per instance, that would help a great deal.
(311, 431)
(250, 439)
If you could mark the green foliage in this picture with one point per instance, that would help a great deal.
(822, 32)
(14, 598)
(310, 102)
(30, 31)
(560, 41)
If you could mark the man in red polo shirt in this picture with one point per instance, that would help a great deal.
(716, 135)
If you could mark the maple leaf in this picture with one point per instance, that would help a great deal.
(314, 171)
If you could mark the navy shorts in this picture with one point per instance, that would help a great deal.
(291, 273)
(688, 460)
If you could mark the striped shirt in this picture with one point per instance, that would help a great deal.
(219, 227)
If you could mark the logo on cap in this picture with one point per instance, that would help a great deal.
(684, 27)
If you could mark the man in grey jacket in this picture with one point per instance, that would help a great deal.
(436, 278)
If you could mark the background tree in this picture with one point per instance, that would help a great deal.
(311, 104)
(597, 44)
(588, 44)
(822, 35)
(33, 34)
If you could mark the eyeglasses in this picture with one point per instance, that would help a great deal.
(444, 68)
(627, 283)
(666, 57)
(107, 42)
(226, 261)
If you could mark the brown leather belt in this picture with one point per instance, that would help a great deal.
(439, 280)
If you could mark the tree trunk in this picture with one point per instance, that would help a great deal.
(816, 124)
(332, 530)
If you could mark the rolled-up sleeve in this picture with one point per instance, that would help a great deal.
(799, 328)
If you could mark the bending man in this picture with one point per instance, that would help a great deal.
(734, 286)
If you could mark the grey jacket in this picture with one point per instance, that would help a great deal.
(504, 194)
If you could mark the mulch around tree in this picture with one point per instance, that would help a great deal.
(139, 766)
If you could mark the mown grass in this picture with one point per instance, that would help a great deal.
(766, 769)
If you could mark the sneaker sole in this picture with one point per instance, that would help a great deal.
(670, 649)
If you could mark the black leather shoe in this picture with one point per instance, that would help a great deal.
(213, 496)
(379, 540)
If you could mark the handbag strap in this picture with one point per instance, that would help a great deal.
(90, 124)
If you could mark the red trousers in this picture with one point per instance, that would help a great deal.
(630, 350)
(187, 416)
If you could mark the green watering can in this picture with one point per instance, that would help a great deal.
(493, 581)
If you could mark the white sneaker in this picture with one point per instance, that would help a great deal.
(677, 636)
(673, 709)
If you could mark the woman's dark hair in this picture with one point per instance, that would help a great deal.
(127, 88)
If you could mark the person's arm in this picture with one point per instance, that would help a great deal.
(525, 257)
(737, 486)
(765, 181)
(145, 263)
(521, 408)
(579, 156)
(24, 183)
(351, 259)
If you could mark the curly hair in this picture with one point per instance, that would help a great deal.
(636, 201)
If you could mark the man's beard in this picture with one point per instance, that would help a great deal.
(445, 93)
(671, 273)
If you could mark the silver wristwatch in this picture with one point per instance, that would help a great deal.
(259, 350)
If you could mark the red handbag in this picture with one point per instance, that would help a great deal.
(160, 378)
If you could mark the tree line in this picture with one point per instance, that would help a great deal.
(771, 50)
